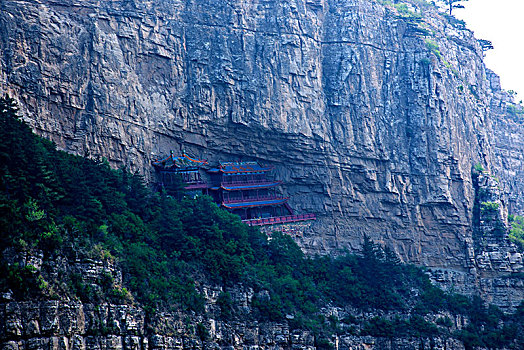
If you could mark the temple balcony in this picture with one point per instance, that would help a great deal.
(253, 199)
(254, 202)
(249, 185)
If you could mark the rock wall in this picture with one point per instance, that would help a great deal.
(508, 128)
(60, 325)
(373, 115)
(63, 322)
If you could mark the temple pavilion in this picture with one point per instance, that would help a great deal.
(173, 168)
(244, 189)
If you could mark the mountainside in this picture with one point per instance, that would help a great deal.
(92, 259)
(374, 115)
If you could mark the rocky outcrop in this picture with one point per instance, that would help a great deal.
(59, 325)
(63, 322)
(508, 128)
(495, 263)
(497, 260)
(373, 114)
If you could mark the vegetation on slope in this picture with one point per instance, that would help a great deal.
(69, 206)
(516, 233)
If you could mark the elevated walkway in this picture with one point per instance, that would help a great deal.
(254, 202)
(253, 185)
(279, 220)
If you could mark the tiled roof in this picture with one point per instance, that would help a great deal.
(178, 163)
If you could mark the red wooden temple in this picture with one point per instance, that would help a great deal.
(240, 187)
(243, 189)
(173, 168)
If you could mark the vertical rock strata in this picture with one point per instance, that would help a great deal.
(72, 325)
(374, 127)
(508, 129)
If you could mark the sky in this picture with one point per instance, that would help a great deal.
(502, 22)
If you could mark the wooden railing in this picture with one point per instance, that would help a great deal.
(249, 183)
(279, 220)
(251, 199)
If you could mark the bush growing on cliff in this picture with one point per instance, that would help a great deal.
(433, 47)
(489, 210)
(516, 233)
(515, 111)
(478, 168)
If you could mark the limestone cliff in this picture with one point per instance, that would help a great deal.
(66, 323)
(374, 115)
(72, 325)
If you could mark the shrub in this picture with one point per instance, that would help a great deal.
(516, 233)
(226, 305)
(433, 47)
(478, 168)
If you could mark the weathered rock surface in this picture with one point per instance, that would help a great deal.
(66, 323)
(508, 128)
(58, 325)
(373, 127)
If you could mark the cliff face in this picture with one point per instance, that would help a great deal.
(73, 325)
(508, 128)
(373, 127)
(70, 324)
(61, 325)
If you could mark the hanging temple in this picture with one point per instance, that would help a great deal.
(243, 188)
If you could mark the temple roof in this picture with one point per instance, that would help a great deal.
(174, 163)
(255, 203)
(240, 167)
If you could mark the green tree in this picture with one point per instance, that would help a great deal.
(453, 4)
(516, 233)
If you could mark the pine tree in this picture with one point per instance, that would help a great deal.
(453, 4)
